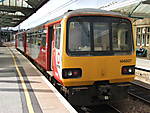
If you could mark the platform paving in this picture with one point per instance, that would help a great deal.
(10, 101)
(27, 91)
(143, 63)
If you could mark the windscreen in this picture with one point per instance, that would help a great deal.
(99, 36)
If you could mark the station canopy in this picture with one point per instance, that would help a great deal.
(13, 12)
(131, 8)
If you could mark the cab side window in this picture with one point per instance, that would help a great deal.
(57, 36)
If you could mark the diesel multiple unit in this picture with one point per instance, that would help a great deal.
(89, 53)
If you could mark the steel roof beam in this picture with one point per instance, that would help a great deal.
(8, 25)
(130, 13)
(24, 10)
(36, 3)
(146, 2)
(4, 19)
(33, 3)
(11, 16)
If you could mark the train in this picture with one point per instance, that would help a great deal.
(88, 53)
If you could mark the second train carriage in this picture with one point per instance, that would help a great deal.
(20, 41)
(90, 53)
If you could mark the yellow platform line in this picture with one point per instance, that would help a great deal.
(27, 96)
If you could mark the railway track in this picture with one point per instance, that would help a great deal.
(140, 90)
(142, 69)
(105, 108)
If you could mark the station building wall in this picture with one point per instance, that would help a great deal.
(142, 33)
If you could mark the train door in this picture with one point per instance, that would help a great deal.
(24, 42)
(51, 39)
(56, 52)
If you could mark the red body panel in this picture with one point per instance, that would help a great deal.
(41, 60)
(41, 54)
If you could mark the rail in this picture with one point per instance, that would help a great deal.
(142, 69)
(140, 91)
(104, 108)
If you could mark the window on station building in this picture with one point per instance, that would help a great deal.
(138, 40)
(148, 29)
(138, 30)
(147, 40)
(143, 36)
(143, 30)
(143, 40)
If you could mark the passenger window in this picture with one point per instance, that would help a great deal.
(57, 36)
(28, 38)
(41, 37)
(43, 43)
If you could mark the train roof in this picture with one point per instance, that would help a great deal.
(85, 11)
(89, 11)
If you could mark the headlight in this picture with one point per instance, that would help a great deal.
(71, 73)
(128, 70)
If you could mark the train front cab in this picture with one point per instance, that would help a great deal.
(93, 57)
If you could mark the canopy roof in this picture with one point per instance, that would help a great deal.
(131, 8)
(13, 12)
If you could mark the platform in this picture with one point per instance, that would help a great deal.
(23, 89)
(143, 63)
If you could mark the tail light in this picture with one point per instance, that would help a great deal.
(71, 73)
(128, 70)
